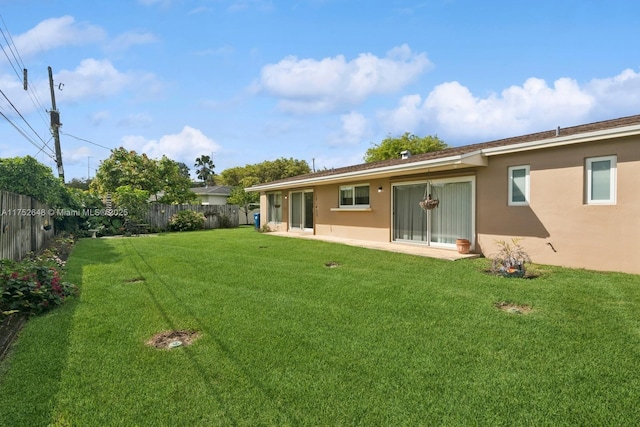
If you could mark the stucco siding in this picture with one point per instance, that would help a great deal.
(558, 227)
(371, 224)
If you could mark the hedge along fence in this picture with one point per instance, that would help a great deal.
(26, 225)
(216, 216)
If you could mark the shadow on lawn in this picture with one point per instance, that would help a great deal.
(206, 376)
(48, 335)
(53, 331)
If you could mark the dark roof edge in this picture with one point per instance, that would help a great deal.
(471, 148)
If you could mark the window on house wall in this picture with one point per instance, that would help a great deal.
(519, 185)
(274, 207)
(601, 180)
(354, 196)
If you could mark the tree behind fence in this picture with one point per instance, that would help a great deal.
(217, 216)
(23, 220)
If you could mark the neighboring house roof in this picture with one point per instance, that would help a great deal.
(464, 156)
(214, 190)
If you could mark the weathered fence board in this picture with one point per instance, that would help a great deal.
(217, 216)
(26, 225)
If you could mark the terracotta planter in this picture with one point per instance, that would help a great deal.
(463, 246)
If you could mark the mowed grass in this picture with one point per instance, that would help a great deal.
(380, 339)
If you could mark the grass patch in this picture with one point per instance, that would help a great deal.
(385, 339)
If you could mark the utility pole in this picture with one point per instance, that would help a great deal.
(88, 173)
(55, 126)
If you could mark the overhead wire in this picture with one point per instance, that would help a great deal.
(18, 58)
(32, 94)
(27, 137)
(86, 140)
(41, 147)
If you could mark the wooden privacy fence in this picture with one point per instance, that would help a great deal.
(26, 225)
(217, 216)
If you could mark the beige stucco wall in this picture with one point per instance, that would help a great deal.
(558, 227)
(371, 224)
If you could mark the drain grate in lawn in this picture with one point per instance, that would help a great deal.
(173, 339)
(332, 264)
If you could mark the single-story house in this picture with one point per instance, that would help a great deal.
(212, 195)
(569, 193)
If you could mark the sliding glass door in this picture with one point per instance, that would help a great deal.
(452, 219)
(441, 226)
(301, 206)
(409, 220)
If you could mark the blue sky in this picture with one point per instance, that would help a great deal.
(316, 80)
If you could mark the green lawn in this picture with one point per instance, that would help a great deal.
(381, 339)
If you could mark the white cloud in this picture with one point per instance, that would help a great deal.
(185, 146)
(92, 78)
(100, 79)
(131, 38)
(309, 85)
(452, 110)
(621, 92)
(56, 32)
(354, 127)
(78, 154)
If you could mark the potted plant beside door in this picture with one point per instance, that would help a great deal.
(463, 246)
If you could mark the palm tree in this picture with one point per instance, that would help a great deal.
(204, 168)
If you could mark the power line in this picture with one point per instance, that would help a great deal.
(27, 137)
(86, 140)
(31, 93)
(16, 55)
(25, 120)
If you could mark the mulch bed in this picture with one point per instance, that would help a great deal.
(9, 329)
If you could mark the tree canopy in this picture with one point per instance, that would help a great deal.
(245, 200)
(266, 171)
(140, 173)
(391, 147)
(27, 176)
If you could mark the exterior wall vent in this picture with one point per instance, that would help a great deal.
(405, 154)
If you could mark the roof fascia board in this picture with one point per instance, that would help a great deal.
(465, 160)
(559, 141)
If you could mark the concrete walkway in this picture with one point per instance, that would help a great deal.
(405, 248)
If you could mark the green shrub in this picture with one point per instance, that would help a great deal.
(186, 221)
(32, 286)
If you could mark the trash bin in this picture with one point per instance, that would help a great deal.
(256, 220)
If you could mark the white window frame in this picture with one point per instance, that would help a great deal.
(612, 180)
(353, 189)
(527, 184)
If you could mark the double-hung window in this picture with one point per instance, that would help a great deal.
(519, 185)
(354, 196)
(601, 180)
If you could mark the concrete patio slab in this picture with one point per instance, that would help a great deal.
(405, 248)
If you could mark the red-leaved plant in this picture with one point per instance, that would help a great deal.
(32, 286)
